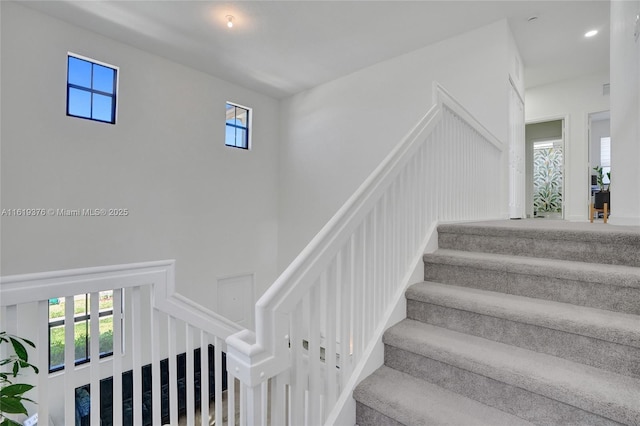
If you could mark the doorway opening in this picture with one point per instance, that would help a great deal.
(545, 169)
(600, 157)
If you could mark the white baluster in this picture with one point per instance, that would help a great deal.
(298, 376)
(204, 380)
(315, 385)
(330, 335)
(136, 354)
(173, 371)
(218, 376)
(94, 351)
(231, 400)
(69, 360)
(156, 375)
(190, 375)
(42, 361)
(117, 355)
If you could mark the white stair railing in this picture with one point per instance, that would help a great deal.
(150, 324)
(318, 322)
(315, 327)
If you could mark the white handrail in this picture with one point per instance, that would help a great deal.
(390, 202)
(315, 326)
(151, 305)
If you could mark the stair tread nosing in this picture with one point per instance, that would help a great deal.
(608, 394)
(560, 230)
(600, 324)
(413, 401)
(618, 275)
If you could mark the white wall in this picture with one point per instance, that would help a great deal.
(625, 114)
(516, 139)
(212, 208)
(334, 135)
(573, 99)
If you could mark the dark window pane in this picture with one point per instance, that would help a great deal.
(102, 107)
(106, 323)
(79, 72)
(81, 333)
(103, 78)
(56, 308)
(106, 335)
(81, 302)
(56, 353)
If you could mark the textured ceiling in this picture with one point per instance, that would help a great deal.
(283, 47)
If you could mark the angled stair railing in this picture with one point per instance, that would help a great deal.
(152, 327)
(318, 323)
(315, 327)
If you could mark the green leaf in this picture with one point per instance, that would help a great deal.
(12, 405)
(20, 349)
(28, 342)
(17, 389)
(9, 422)
(24, 364)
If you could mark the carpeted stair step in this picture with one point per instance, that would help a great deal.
(611, 287)
(553, 239)
(541, 388)
(391, 398)
(603, 339)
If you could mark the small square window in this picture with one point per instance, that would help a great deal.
(91, 89)
(237, 126)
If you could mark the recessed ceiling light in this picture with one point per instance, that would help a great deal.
(591, 33)
(229, 21)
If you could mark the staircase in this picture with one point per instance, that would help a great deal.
(517, 323)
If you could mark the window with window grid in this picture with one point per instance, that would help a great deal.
(91, 89)
(81, 328)
(237, 126)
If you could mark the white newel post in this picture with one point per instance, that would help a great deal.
(252, 365)
(516, 155)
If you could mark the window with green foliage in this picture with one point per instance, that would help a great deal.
(82, 327)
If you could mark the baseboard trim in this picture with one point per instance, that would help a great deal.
(624, 220)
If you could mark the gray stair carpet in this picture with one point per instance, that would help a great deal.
(517, 322)
(416, 402)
